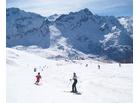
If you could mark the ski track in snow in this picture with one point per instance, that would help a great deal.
(110, 84)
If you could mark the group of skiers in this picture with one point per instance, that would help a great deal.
(74, 89)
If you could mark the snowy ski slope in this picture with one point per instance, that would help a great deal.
(110, 84)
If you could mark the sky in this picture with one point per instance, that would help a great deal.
(99, 7)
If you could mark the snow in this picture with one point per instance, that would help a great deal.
(110, 84)
(127, 22)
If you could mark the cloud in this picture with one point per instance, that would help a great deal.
(107, 4)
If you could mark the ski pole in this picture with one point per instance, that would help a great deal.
(69, 82)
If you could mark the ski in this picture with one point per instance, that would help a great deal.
(77, 93)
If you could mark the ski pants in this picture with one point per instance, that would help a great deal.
(74, 89)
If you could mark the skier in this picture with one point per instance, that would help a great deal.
(74, 89)
(38, 77)
(34, 69)
(119, 64)
(98, 66)
(86, 65)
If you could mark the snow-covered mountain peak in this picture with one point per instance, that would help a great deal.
(80, 16)
(85, 11)
(13, 10)
(16, 12)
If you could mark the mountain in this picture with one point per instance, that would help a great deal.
(25, 28)
(98, 35)
(73, 33)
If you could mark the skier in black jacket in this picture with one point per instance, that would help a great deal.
(74, 89)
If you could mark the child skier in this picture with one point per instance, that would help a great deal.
(38, 77)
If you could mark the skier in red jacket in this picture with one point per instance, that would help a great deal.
(38, 77)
